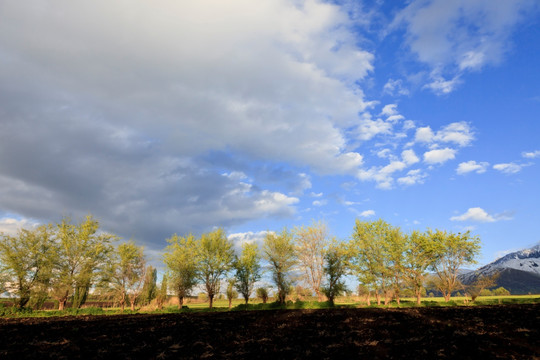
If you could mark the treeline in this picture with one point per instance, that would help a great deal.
(66, 261)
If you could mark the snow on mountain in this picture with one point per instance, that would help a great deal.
(527, 260)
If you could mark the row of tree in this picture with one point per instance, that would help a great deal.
(383, 258)
(66, 261)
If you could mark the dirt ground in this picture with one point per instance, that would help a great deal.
(492, 332)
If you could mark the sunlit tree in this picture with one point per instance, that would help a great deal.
(182, 261)
(335, 268)
(82, 254)
(451, 253)
(215, 256)
(311, 245)
(26, 261)
(247, 270)
(279, 251)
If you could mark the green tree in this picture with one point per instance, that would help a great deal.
(311, 245)
(83, 254)
(231, 293)
(481, 283)
(247, 270)
(335, 268)
(216, 256)
(26, 262)
(418, 257)
(161, 297)
(181, 260)
(149, 290)
(128, 273)
(374, 256)
(262, 293)
(451, 253)
(279, 251)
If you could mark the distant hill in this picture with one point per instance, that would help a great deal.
(519, 272)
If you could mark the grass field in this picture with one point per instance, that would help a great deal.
(220, 305)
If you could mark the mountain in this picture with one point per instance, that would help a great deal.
(519, 272)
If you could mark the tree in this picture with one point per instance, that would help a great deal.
(216, 256)
(161, 297)
(418, 257)
(181, 259)
(334, 268)
(128, 273)
(279, 251)
(262, 293)
(374, 256)
(481, 282)
(248, 270)
(311, 245)
(450, 254)
(231, 293)
(26, 262)
(82, 255)
(149, 290)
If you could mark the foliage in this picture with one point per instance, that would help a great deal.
(279, 251)
(216, 256)
(311, 246)
(231, 293)
(26, 262)
(162, 293)
(247, 269)
(481, 283)
(149, 289)
(82, 256)
(451, 252)
(376, 256)
(335, 269)
(262, 293)
(181, 259)
(128, 273)
(418, 256)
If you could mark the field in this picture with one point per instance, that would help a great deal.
(459, 332)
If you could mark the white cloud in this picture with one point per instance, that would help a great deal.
(508, 168)
(409, 157)
(413, 177)
(424, 134)
(11, 226)
(478, 214)
(319, 203)
(459, 133)
(249, 237)
(472, 166)
(439, 156)
(531, 154)
(455, 37)
(367, 213)
(395, 87)
(474, 214)
(389, 110)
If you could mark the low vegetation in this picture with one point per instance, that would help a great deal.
(69, 264)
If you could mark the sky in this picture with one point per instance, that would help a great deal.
(181, 116)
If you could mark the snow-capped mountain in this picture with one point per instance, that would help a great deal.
(519, 271)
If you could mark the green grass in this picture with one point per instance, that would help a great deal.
(222, 305)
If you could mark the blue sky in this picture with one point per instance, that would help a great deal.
(180, 116)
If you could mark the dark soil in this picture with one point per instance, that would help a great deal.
(487, 332)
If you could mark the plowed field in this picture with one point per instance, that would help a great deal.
(492, 332)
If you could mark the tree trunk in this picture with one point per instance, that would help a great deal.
(230, 304)
(132, 305)
(246, 299)
(180, 302)
(211, 299)
(62, 304)
(447, 296)
(418, 296)
(368, 299)
(378, 297)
